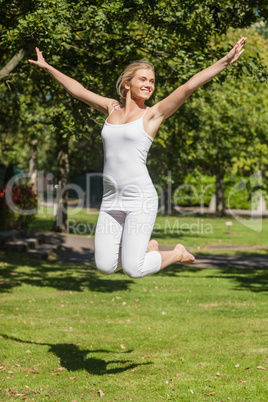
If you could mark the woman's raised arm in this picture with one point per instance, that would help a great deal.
(171, 103)
(77, 90)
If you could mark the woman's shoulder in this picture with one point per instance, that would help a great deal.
(113, 104)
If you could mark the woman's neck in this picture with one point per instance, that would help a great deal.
(132, 105)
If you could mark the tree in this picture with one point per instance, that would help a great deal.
(232, 126)
(92, 41)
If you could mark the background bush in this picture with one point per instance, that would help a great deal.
(24, 198)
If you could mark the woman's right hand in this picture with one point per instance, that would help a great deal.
(40, 62)
(77, 90)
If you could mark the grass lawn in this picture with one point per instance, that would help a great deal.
(202, 235)
(185, 334)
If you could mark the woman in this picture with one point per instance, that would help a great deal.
(129, 204)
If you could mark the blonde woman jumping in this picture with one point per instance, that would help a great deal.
(129, 205)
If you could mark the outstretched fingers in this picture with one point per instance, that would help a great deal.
(240, 44)
(39, 54)
(242, 40)
(237, 50)
(35, 61)
(41, 62)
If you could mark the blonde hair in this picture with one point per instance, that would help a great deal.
(129, 73)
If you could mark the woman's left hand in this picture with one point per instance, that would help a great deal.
(236, 51)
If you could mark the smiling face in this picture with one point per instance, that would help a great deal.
(142, 85)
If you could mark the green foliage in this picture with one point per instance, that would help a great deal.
(23, 199)
(241, 192)
(230, 135)
(93, 41)
(196, 190)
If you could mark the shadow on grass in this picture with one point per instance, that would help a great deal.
(247, 274)
(20, 270)
(245, 262)
(74, 359)
(250, 279)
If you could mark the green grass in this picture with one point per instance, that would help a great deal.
(202, 235)
(69, 334)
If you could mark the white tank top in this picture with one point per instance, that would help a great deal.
(125, 150)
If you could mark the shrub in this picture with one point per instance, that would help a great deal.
(24, 198)
(240, 192)
(196, 190)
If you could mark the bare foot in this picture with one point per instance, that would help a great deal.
(152, 246)
(184, 256)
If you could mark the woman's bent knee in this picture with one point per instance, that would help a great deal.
(133, 275)
(150, 264)
(106, 268)
(132, 271)
(104, 272)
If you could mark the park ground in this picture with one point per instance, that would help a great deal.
(186, 334)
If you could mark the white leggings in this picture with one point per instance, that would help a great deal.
(132, 227)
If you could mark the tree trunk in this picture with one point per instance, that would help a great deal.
(33, 169)
(220, 199)
(61, 221)
(168, 195)
(12, 63)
